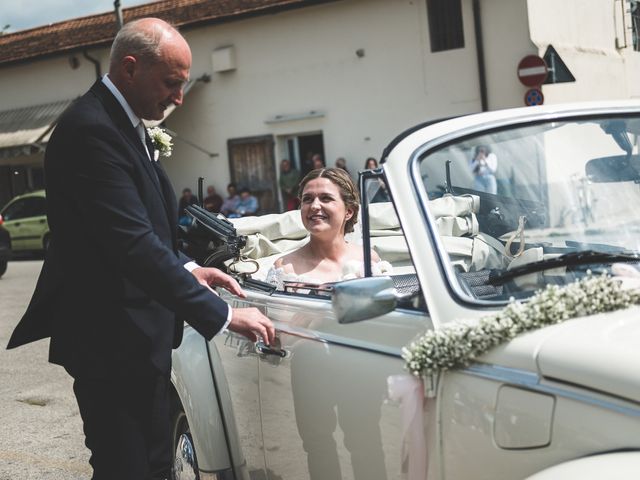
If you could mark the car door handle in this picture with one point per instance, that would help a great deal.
(264, 349)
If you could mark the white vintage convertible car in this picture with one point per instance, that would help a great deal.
(558, 201)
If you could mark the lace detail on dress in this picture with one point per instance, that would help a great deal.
(277, 277)
(350, 270)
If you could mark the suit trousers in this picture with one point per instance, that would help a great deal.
(126, 426)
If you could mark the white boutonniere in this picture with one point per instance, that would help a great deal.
(162, 142)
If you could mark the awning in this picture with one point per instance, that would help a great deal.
(24, 131)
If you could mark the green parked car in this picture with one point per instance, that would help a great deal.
(26, 220)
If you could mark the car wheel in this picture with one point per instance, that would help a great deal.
(185, 464)
(3, 267)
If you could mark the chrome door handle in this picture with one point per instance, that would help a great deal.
(264, 349)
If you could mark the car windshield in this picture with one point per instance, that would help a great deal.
(519, 208)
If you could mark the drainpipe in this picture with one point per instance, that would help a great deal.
(96, 63)
(482, 76)
(118, 12)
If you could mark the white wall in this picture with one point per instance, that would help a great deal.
(46, 81)
(584, 34)
(506, 41)
(304, 60)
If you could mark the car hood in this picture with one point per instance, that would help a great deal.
(600, 352)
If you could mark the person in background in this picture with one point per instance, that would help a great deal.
(288, 181)
(370, 163)
(213, 201)
(187, 198)
(231, 202)
(317, 161)
(247, 205)
(376, 190)
(342, 163)
(484, 165)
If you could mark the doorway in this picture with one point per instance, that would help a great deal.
(252, 165)
(300, 148)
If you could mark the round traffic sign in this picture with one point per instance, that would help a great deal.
(533, 97)
(532, 71)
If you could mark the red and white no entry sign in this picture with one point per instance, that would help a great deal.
(532, 71)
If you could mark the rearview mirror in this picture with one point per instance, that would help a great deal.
(617, 168)
(363, 298)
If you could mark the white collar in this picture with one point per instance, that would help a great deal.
(135, 120)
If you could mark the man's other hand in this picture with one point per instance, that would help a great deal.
(251, 323)
(213, 277)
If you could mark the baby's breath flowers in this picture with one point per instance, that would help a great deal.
(459, 344)
(161, 141)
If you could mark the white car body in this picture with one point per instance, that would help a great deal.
(558, 402)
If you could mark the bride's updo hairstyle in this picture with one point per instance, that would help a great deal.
(348, 191)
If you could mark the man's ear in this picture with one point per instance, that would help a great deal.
(129, 65)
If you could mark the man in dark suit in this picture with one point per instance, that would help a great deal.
(114, 289)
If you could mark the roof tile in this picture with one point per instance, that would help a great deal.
(99, 30)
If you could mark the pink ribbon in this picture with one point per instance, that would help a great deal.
(409, 391)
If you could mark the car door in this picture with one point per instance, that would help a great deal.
(34, 225)
(325, 408)
(235, 363)
(14, 215)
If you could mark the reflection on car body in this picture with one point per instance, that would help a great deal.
(315, 405)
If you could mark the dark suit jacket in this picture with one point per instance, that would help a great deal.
(113, 290)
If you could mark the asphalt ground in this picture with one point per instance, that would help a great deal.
(40, 427)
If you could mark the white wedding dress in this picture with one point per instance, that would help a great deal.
(351, 269)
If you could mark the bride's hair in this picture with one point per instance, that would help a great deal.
(348, 191)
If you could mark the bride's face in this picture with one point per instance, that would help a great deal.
(322, 207)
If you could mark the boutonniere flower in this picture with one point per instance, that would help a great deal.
(162, 141)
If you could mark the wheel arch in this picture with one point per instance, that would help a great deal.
(194, 392)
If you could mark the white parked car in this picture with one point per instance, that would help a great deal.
(557, 202)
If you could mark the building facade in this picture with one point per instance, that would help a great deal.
(291, 78)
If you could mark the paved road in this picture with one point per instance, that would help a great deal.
(41, 430)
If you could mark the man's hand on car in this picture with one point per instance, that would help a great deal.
(251, 323)
(213, 277)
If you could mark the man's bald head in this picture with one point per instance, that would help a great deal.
(150, 63)
(143, 39)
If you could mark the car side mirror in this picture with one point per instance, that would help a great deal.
(363, 298)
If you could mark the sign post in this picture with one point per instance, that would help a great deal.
(532, 72)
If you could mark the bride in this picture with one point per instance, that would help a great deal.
(329, 204)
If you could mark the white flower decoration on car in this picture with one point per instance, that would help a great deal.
(162, 142)
(458, 344)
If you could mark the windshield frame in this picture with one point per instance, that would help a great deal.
(449, 133)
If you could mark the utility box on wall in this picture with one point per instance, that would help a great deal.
(224, 59)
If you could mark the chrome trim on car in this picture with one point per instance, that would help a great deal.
(531, 381)
(331, 339)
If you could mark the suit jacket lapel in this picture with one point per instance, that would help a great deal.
(157, 174)
(120, 118)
